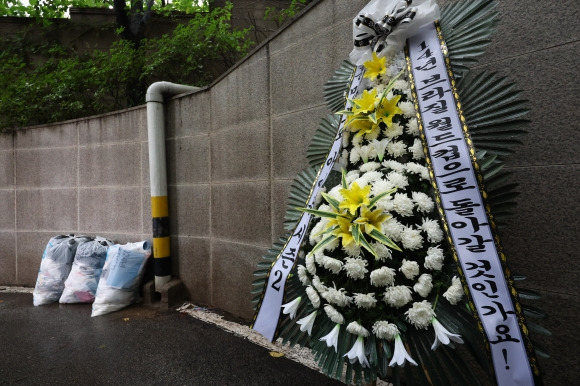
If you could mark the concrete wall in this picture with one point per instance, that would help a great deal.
(235, 147)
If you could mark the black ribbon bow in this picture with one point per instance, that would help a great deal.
(376, 32)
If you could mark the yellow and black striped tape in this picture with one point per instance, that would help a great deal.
(161, 240)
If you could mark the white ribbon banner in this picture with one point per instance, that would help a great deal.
(268, 312)
(464, 209)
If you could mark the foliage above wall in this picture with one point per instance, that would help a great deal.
(65, 84)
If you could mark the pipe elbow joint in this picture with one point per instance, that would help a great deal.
(158, 91)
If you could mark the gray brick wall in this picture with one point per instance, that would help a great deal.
(234, 148)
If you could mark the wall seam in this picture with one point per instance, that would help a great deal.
(16, 273)
(78, 178)
(210, 203)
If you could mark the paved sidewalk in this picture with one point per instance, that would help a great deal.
(60, 344)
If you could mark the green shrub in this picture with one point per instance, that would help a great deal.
(66, 85)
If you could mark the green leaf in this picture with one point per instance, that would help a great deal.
(331, 200)
(321, 143)
(325, 240)
(381, 238)
(321, 213)
(376, 198)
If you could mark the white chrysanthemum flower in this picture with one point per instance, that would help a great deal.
(354, 155)
(357, 352)
(398, 180)
(365, 301)
(379, 186)
(310, 266)
(351, 176)
(455, 292)
(385, 330)
(380, 147)
(317, 283)
(337, 297)
(333, 314)
(400, 84)
(403, 205)
(331, 338)
(318, 257)
(355, 268)
(420, 170)
(424, 285)
(396, 148)
(332, 264)
(313, 296)
(371, 136)
(342, 161)
(356, 329)
(380, 87)
(352, 250)
(335, 193)
(386, 203)
(368, 178)
(394, 165)
(409, 268)
(411, 239)
(413, 167)
(356, 141)
(316, 234)
(383, 277)
(290, 308)
(408, 109)
(345, 138)
(383, 252)
(393, 229)
(307, 322)
(420, 314)
(413, 127)
(424, 203)
(303, 275)
(417, 149)
(370, 167)
(433, 230)
(393, 131)
(398, 296)
(434, 259)
(442, 335)
(331, 246)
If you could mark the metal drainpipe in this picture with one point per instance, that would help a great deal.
(156, 94)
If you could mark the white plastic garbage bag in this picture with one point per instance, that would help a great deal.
(55, 267)
(83, 279)
(119, 283)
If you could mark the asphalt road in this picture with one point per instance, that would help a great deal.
(62, 345)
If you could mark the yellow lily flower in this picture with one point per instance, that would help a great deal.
(370, 220)
(355, 197)
(362, 127)
(375, 67)
(343, 231)
(366, 103)
(388, 109)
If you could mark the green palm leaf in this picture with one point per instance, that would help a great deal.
(298, 197)
(466, 27)
(336, 89)
(322, 141)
